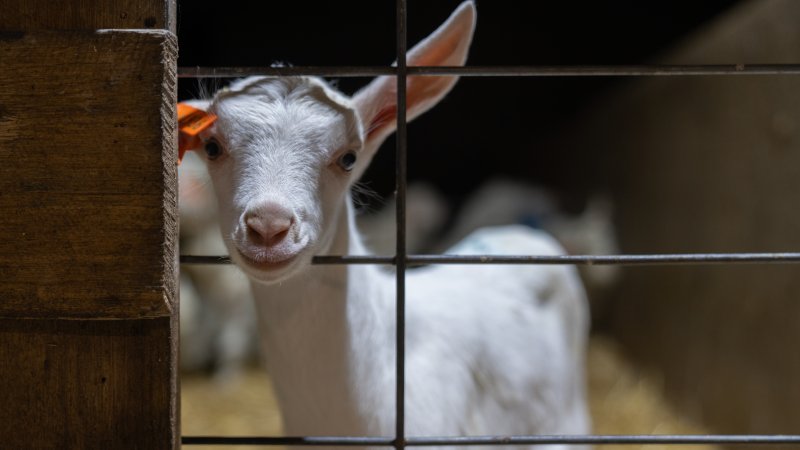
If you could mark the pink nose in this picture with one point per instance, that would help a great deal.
(268, 224)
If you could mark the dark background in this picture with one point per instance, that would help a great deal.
(486, 126)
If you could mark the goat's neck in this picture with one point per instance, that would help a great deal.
(325, 333)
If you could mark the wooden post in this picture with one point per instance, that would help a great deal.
(88, 225)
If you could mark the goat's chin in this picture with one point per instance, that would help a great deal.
(267, 270)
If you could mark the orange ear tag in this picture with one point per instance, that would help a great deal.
(191, 122)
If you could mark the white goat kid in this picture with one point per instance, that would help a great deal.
(490, 349)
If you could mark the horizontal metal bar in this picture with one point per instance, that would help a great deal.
(607, 440)
(500, 440)
(500, 71)
(587, 260)
(294, 441)
(615, 71)
(352, 259)
(322, 71)
(196, 259)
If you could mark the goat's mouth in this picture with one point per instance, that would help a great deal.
(269, 266)
(267, 262)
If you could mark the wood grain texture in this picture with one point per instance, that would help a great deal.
(73, 384)
(88, 179)
(30, 15)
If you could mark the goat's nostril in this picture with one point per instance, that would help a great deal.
(277, 237)
(268, 231)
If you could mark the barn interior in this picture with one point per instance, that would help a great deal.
(673, 164)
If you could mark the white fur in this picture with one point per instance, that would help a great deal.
(490, 349)
(501, 201)
(218, 325)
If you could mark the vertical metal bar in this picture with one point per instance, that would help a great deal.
(400, 183)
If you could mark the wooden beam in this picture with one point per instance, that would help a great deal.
(88, 180)
(30, 15)
(79, 384)
(88, 236)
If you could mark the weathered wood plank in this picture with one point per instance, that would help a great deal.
(99, 384)
(29, 15)
(87, 180)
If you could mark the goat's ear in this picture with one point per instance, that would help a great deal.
(447, 46)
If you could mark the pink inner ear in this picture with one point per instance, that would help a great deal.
(438, 55)
(383, 118)
(421, 93)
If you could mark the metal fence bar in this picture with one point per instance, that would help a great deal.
(500, 71)
(501, 440)
(205, 259)
(401, 170)
(654, 259)
(322, 441)
(605, 71)
(587, 260)
(607, 440)
(288, 71)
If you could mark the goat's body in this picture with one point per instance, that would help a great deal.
(489, 350)
(506, 342)
(492, 350)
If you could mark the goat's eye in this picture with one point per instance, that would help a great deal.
(347, 161)
(213, 149)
